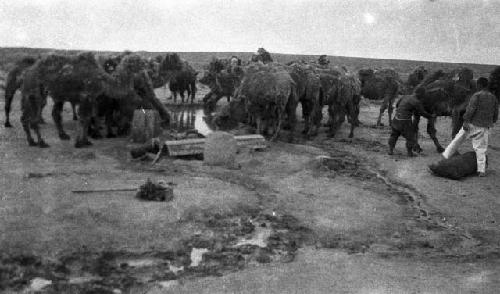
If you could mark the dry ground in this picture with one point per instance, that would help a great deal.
(379, 224)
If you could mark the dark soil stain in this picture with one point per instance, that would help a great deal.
(227, 243)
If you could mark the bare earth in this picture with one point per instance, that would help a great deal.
(372, 224)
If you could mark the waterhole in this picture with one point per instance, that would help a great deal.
(186, 117)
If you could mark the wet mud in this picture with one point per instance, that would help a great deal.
(223, 243)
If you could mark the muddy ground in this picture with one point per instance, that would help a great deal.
(364, 222)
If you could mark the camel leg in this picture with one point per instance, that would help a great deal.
(431, 130)
(259, 125)
(181, 93)
(331, 121)
(457, 122)
(389, 109)
(306, 115)
(188, 90)
(9, 95)
(84, 115)
(277, 126)
(416, 121)
(25, 121)
(108, 120)
(42, 106)
(174, 95)
(193, 91)
(41, 143)
(351, 112)
(318, 117)
(383, 107)
(386, 104)
(339, 119)
(73, 107)
(291, 112)
(56, 115)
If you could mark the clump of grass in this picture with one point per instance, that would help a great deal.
(151, 191)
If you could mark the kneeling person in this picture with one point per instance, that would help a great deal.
(402, 123)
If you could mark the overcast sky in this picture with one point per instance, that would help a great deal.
(437, 30)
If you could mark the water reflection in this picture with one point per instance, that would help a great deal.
(186, 118)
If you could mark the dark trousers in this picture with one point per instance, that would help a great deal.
(407, 130)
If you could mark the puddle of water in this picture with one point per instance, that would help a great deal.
(176, 269)
(186, 118)
(197, 256)
(82, 280)
(140, 262)
(37, 284)
(259, 237)
(168, 284)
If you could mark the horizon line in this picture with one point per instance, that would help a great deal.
(248, 52)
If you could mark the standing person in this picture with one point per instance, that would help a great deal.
(402, 123)
(479, 117)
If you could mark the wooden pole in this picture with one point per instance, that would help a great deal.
(104, 190)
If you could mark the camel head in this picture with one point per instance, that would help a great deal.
(365, 74)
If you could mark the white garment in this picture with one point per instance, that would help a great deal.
(479, 138)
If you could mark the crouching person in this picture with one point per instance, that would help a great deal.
(481, 113)
(402, 123)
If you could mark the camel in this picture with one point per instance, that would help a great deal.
(13, 83)
(382, 84)
(80, 79)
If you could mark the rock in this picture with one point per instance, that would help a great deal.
(146, 125)
(220, 149)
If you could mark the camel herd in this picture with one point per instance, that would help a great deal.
(261, 93)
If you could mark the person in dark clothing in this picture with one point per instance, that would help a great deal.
(402, 123)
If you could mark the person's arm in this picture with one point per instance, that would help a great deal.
(471, 109)
(419, 107)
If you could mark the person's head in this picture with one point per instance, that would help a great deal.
(482, 83)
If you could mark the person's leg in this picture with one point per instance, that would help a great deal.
(455, 143)
(393, 139)
(480, 146)
(409, 133)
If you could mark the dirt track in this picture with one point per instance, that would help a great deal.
(379, 224)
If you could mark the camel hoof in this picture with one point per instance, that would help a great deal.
(75, 118)
(440, 149)
(64, 136)
(351, 135)
(42, 144)
(109, 136)
(7, 124)
(32, 143)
